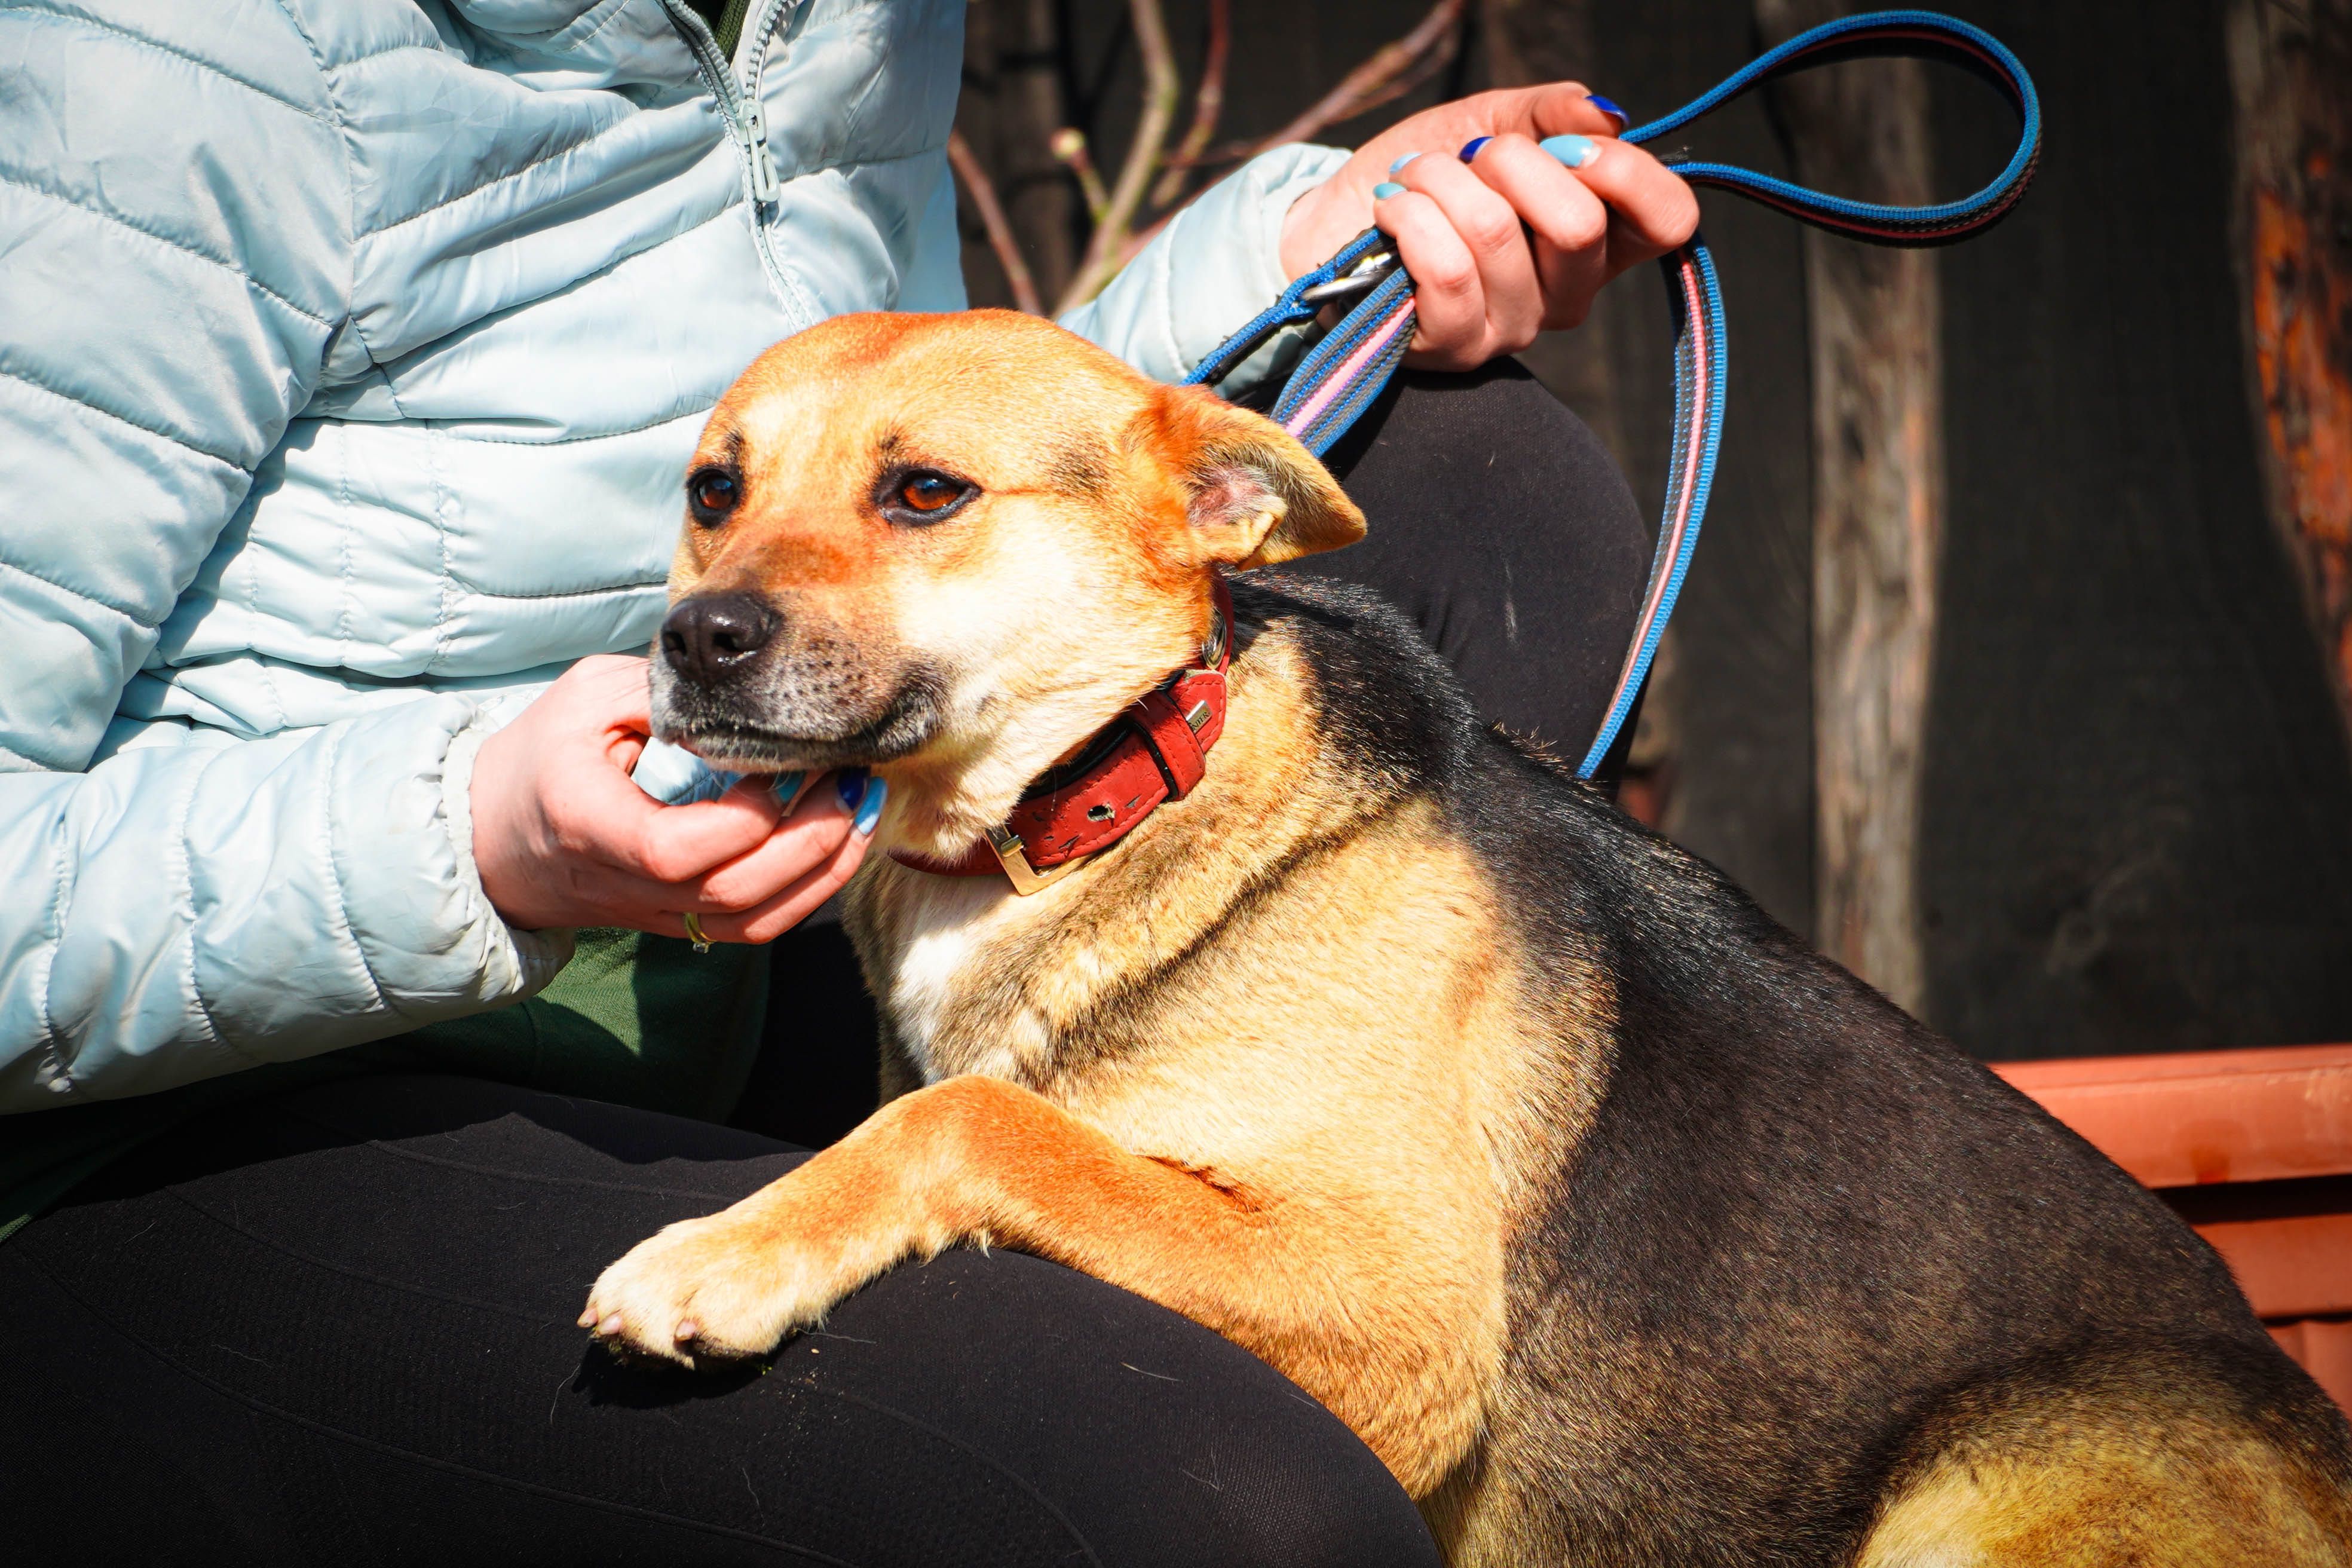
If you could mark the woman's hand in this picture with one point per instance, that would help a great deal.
(1516, 241)
(564, 837)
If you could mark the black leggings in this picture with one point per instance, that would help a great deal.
(337, 1326)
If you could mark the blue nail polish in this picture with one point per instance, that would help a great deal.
(784, 787)
(869, 810)
(850, 784)
(1470, 148)
(1398, 167)
(1610, 108)
(1386, 189)
(1575, 152)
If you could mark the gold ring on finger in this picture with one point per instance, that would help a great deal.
(694, 931)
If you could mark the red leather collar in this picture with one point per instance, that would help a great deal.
(1156, 749)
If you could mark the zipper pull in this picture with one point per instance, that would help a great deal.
(767, 186)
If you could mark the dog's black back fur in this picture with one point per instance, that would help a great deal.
(1804, 1235)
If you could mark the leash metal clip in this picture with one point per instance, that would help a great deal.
(1373, 271)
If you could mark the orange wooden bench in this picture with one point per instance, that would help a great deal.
(2253, 1148)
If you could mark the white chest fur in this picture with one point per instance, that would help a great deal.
(943, 937)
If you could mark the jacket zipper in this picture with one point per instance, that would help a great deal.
(747, 123)
(756, 123)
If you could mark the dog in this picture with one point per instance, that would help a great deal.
(1224, 954)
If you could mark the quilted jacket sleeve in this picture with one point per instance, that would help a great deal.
(1208, 273)
(175, 261)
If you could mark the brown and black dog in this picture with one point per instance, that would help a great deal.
(1625, 1228)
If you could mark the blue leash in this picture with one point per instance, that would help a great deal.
(1343, 373)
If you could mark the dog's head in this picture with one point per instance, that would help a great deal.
(953, 547)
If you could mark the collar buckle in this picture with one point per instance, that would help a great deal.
(1157, 751)
(1014, 856)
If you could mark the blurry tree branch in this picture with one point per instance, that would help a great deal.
(1019, 67)
(1001, 237)
(1115, 217)
(1069, 148)
(1389, 73)
(1393, 70)
(1208, 105)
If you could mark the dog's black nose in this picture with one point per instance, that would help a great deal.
(707, 638)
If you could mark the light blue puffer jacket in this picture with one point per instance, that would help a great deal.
(350, 353)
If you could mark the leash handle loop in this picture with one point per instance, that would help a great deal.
(1874, 35)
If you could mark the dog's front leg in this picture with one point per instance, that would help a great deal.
(978, 1157)
(969, 1157)
(733, 1284)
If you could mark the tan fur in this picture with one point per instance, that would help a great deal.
(1377, 1283)
(1077, 594)
(1205, 1145)
(1278, 1059)
(2132, 1479)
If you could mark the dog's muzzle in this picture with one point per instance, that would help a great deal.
(738, 678)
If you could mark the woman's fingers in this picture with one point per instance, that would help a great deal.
(1561, 108)
(1650, 211)
(806, 841)
(1576, 192)
(1448, 298)
(1524, 237)
(769, 919)
(564, 837)
(1485, 219)
(1479, 290)
(1567, 221)
(605, 817)
(584, 732)
(1488, 286)
(760, 896)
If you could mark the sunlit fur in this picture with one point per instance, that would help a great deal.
(1625, 1229)
(1066, 588)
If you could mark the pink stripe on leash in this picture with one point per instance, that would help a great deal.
(1346, 374)
(1695, 303)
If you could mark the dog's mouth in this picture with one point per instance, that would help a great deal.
(717, 730)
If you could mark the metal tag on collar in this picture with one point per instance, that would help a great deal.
(1014, 856)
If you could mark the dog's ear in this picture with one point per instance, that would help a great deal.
(1254, 495)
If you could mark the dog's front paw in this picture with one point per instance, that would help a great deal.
(726, 1286)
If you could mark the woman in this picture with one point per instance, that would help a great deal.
(353, 350)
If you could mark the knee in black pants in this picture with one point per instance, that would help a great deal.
(337, 1326)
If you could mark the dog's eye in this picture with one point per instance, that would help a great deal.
(924, 495)
(928, 492)
(712, 493)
